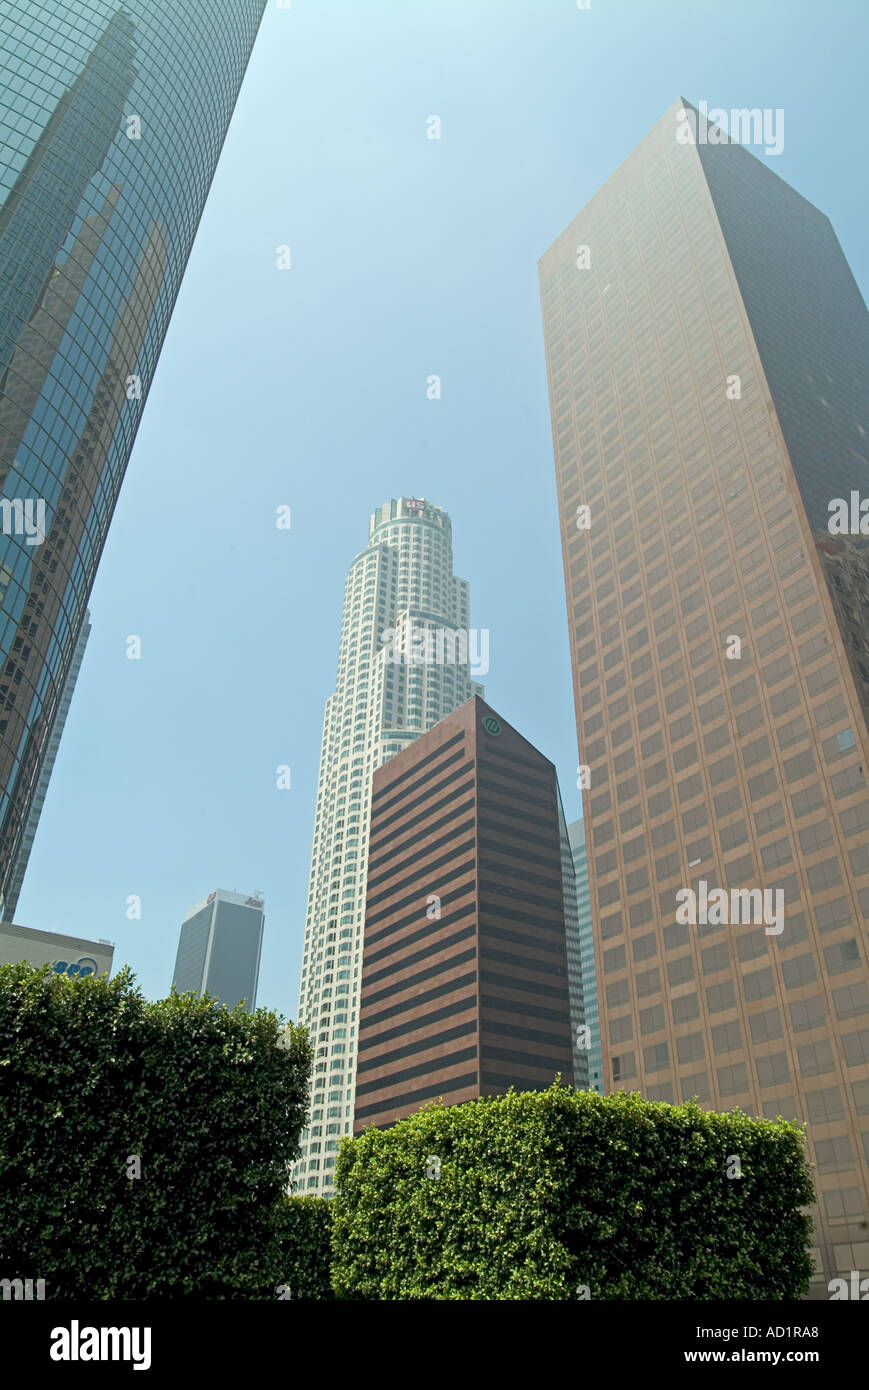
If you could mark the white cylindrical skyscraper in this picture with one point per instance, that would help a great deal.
(406, 659)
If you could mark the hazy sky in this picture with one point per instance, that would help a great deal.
(306, 387)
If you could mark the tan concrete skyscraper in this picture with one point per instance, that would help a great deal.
(707, 350)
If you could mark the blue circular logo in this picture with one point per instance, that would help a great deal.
(76, 969)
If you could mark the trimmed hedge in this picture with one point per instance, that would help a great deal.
(561, 1194)
(304, 1229)
(212, 1102)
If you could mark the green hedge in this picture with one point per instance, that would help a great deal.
(304, 1228)
(211, 1101)
(560, 1195)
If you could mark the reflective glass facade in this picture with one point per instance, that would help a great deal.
(219, 949)
(22, 855)
(112, 119)
(570, 893)
(576, 832)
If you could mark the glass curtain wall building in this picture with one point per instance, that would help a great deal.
(570, 885)
(219, 948)
(112, 120)
(576, 835)
(708, 354)
(19, 867)
(404, 663)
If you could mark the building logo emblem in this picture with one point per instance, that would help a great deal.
(82, 967)
(492, 725)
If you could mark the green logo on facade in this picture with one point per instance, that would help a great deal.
(492, 725)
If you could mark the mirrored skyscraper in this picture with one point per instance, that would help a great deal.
(46, 768)
(406, 659)
(219, 948)
(576, 834)
(112, 119)
(708, 357)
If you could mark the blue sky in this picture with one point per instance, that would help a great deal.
(306, 387)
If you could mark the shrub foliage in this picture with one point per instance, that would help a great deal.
(211, 1102)
(561, 1194)
(304, 1229)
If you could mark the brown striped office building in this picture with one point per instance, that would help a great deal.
(465, 984)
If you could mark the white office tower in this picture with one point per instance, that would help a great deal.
(406, 660)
